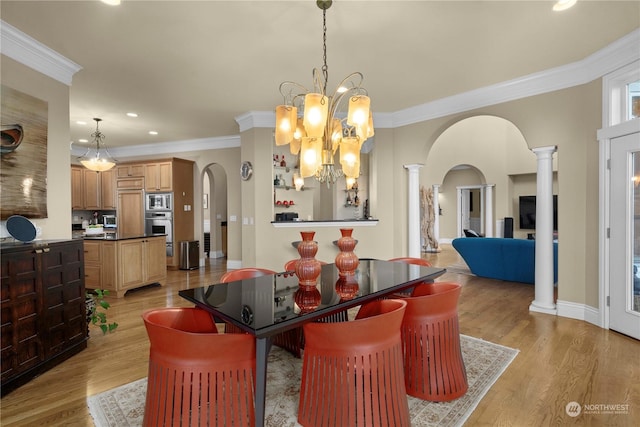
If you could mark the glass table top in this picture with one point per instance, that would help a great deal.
(273, 303)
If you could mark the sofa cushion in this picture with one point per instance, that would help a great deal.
(502, 258)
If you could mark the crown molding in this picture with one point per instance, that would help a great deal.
(617, 54)
(28, 51)
(172, 147)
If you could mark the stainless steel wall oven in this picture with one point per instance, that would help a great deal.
(160, 223)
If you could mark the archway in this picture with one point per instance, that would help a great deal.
(480, 151)
(214, 211)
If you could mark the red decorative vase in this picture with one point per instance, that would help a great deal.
(347, 261)
(308, 267)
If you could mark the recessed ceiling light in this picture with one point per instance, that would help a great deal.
(111, 2)
(563, 5)
(132, 114)
(80, 122)
(83, 140)
(153, 132)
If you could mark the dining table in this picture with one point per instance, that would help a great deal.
(268, 305)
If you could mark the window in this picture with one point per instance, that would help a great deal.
(633, 100)
(621, 93)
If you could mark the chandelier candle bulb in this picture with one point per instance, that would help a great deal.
(316, 109)
(310, 156)
(358, 110)
(286, 119)
(349, 158)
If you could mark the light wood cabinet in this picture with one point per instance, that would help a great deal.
(92, 190)
(130, 170)
(141, 262)
(107, 190)
(130, 212)
(77, 188)
(158, 176)
(126, 264)
(98, 256)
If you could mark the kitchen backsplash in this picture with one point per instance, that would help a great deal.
(78, 216)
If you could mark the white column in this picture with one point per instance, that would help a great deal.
(488, 210)
(436, 211)
(413, 231)
(543, 301)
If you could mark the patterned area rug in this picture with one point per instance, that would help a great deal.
(485, 362)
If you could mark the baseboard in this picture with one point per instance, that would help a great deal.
(574, 310)
(216, 254)
(233, 264)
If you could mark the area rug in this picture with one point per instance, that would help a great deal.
(485, 362)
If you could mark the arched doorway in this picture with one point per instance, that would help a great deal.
(483, 153)
(214, 211)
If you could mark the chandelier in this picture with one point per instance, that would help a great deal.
(323, 127)
(100, 160)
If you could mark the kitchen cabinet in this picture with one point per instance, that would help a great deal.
(92, 190)
(158, 176)
(122, 264)
(77, 188)
(107, 190)
(141, 262)
(98, 256)
(43, 308)
(130, 212)
(128, 170)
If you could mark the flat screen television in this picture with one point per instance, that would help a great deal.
(527, 208)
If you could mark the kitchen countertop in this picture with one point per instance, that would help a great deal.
(118, 236)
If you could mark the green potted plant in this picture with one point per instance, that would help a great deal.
(96, 310)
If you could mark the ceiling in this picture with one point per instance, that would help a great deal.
(188, 68)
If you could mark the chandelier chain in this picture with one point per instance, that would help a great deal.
(325, 68)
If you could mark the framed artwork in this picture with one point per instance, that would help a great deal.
(23, 155)
(205, 201)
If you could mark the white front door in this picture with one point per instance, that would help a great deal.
(624, 284)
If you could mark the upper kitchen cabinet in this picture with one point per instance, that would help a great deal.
(92, 190)
(158, 176)
(107, 189)
(130, 170)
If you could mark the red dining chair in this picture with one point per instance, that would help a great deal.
(434, 369)
(412, 260)
(352, 371)
(196, 375)
(241, 274)
(244, 273)
(291, 340)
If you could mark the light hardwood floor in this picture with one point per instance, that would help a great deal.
(561, 360)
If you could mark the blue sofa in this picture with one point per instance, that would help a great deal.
(500, 258)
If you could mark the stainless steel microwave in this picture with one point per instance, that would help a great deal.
(159, 202)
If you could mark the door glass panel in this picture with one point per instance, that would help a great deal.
(633, 97)
(635, 238)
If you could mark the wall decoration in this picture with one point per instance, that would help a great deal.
(23, 155)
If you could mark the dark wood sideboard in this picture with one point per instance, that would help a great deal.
(43, 307)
